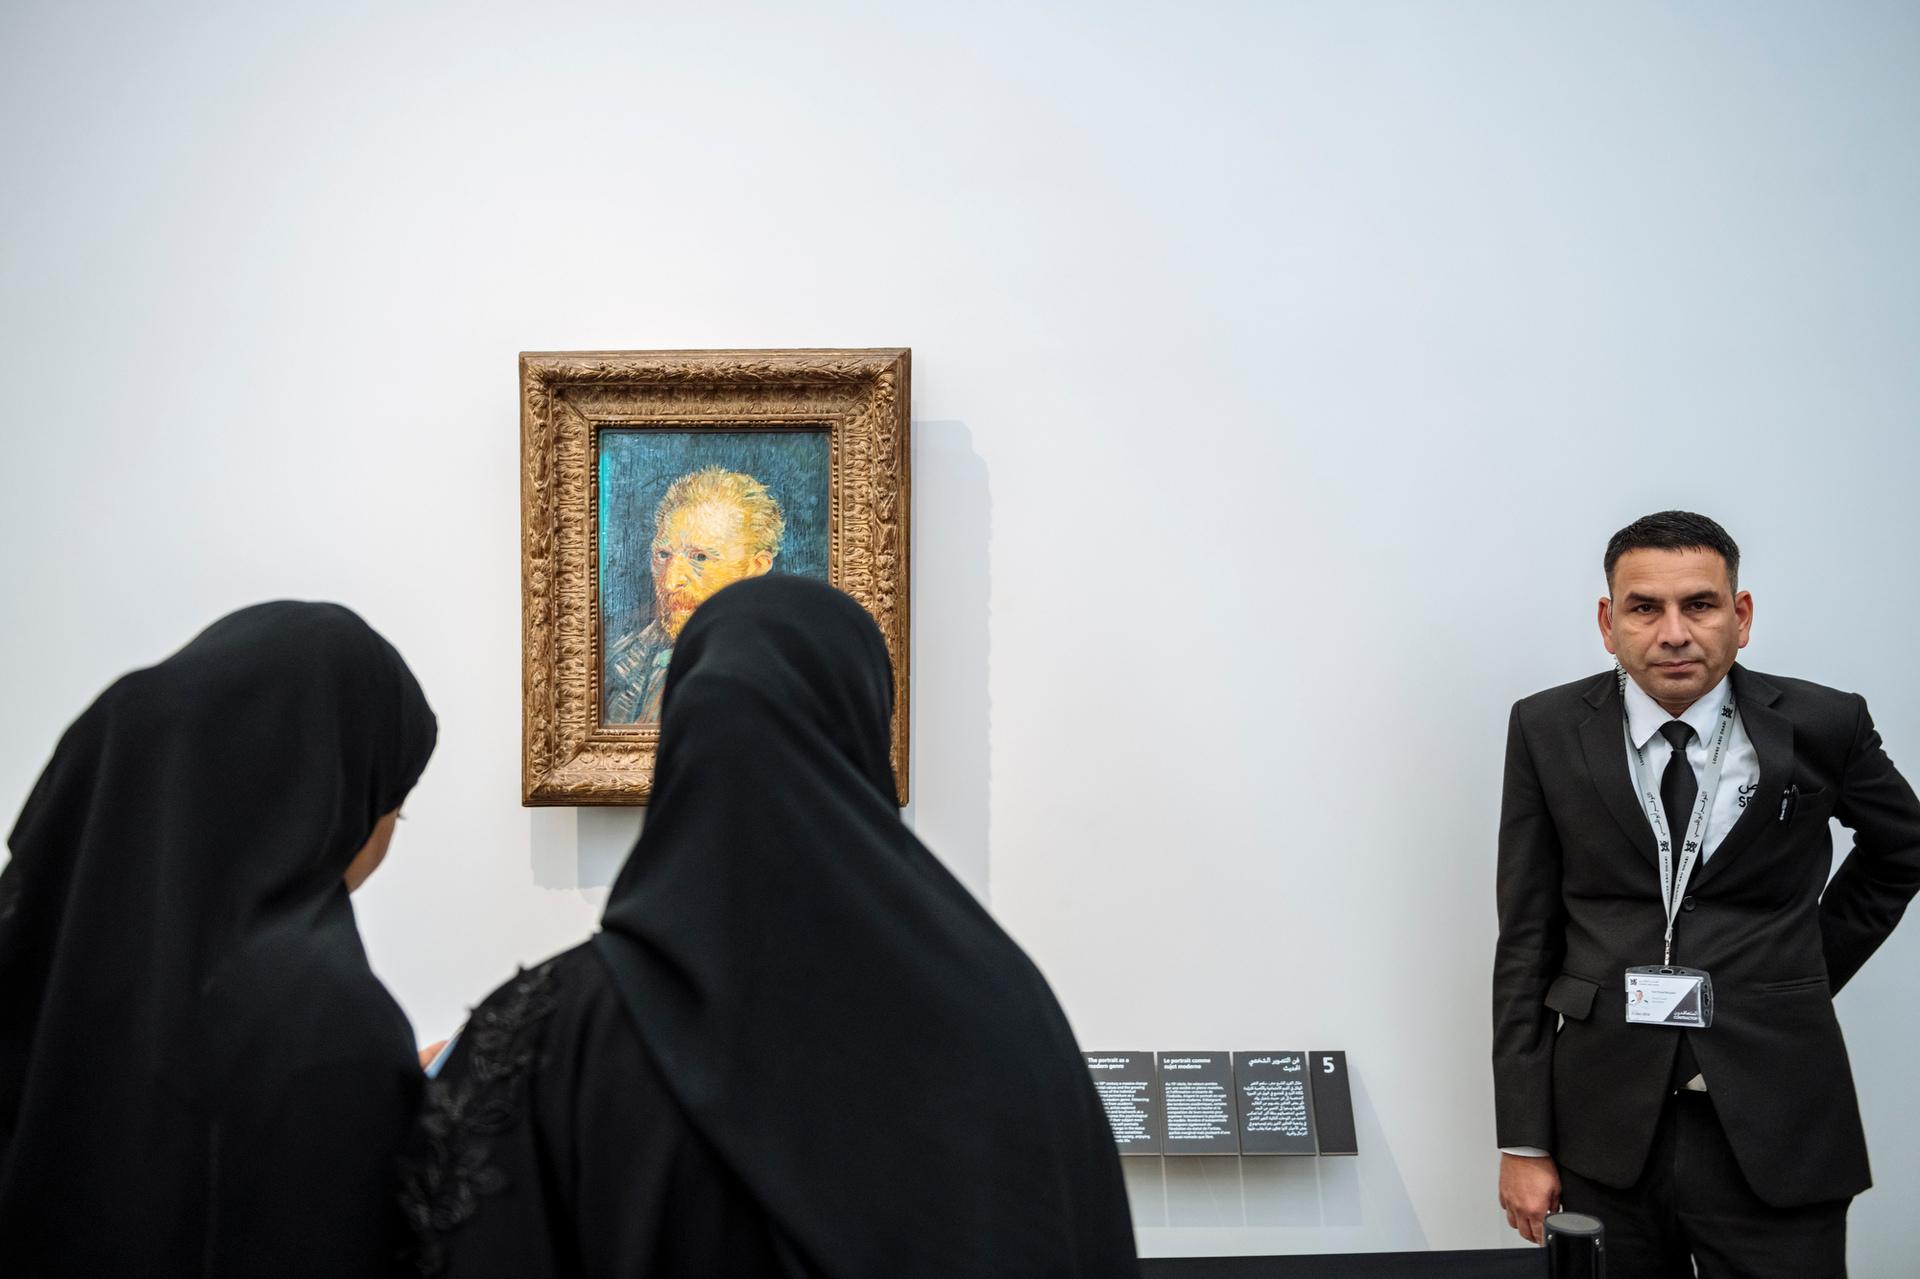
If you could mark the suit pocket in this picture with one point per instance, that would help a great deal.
(1813, 804)
(1572, 997)
(1795, 983)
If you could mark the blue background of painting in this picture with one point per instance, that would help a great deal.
(636, 466)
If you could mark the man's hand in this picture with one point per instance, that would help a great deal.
(432, 1050)
(1529, 1190)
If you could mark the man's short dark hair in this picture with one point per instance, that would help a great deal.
(1674, 531)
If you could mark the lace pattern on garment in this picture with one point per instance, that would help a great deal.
(441, 1184)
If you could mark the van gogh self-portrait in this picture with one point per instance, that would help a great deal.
(650, 481)
(684, 514)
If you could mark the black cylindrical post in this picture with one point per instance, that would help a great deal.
(1576, 1246)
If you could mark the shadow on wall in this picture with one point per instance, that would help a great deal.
(1203, 1205)
(950, 711)
(581, 849)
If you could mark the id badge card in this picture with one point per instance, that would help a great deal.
(1661, 995)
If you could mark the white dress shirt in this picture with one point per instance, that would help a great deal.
(1739, 778)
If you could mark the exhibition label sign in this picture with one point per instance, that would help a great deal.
(1275, 1115)
(1280, 1102)
(1332, 1101)
(1199, 1096)
(1129, 1087)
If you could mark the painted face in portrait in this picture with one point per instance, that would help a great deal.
(1675, 622)
(699, 548)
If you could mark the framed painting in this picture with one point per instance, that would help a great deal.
(651, 479)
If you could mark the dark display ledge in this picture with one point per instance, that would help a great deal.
(1491, 1263)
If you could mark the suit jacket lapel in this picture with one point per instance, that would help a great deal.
(1772, 736)
(1604, 741)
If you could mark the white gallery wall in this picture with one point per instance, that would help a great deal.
(1279, 373)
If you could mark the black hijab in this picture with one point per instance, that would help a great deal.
(182, 987)
(880, 1064)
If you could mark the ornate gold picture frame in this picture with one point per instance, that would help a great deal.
(651, 478)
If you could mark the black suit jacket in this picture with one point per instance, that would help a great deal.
(1579, 899)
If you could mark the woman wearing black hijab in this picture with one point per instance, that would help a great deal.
(799, 1047)
(199, 1074)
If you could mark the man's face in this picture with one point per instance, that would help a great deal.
(1674, 622)
(697, 550)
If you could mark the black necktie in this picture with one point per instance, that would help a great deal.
(1678, 787)
(1678, 791)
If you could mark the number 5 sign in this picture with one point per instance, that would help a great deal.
(1333, 1103)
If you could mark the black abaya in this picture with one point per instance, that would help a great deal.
(199, 1073)
(857, 1074)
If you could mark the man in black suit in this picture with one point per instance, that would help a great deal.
(1728, 1135)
